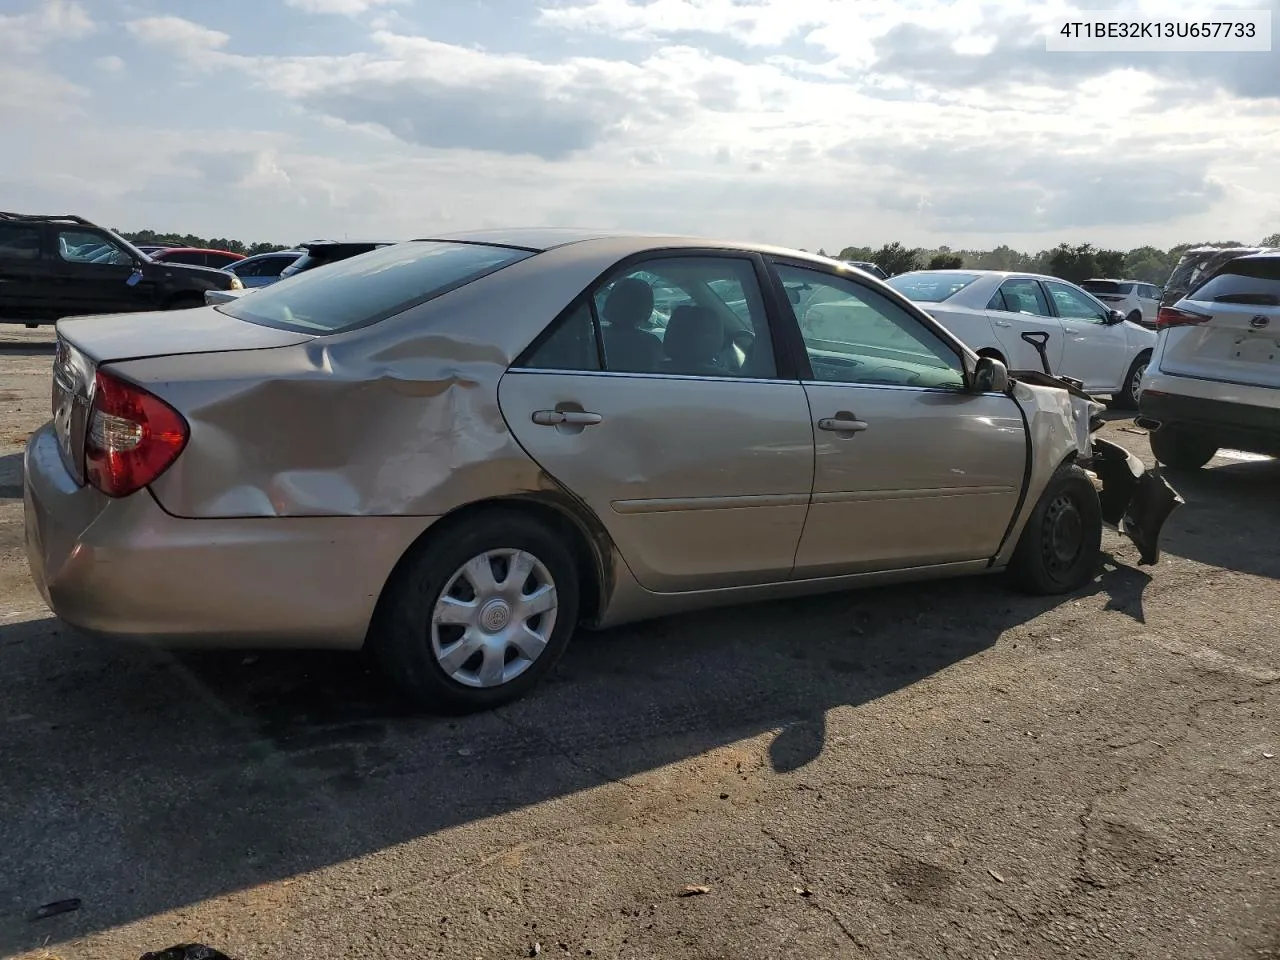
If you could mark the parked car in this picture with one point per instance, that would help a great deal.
(197, 257)
(60, 266)
(1198, 264)
(990, 310)
(456, 450)
(1138, 301)
(318, 253)
(866, 265)
(150, 248)
(263, 269)
(1214, 380)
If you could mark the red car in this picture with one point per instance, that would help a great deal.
(197, 257)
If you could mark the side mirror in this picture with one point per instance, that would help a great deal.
(990, 376)
(1114, 317)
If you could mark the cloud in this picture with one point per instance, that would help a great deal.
(185, 37)
(48, 21)
(109, 64)
(346, 7)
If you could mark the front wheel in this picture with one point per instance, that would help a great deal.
(1060, 545)
(1181, 450)
(476, 617)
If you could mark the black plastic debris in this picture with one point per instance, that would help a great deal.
(186, 951)
(55, 908)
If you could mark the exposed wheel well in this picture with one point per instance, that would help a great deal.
(994, 354)
(1135, 313)
(185, 300)
(589, 559)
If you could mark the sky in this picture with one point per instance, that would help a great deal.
(808, 123)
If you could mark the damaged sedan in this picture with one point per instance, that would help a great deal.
(454, 452)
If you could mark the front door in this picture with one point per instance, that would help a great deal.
(96, 275)
(1094, 349)
(911, 469)
(24, 273)
(656, 400)
(1021, 306)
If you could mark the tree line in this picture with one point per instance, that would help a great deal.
(1072, 262)
(1075, 263)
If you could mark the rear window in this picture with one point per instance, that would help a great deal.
(1107, 286)
(930, 287)
(370, 287)
(1247, 281)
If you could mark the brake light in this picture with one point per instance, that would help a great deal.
(133, 437)
(1173, 317)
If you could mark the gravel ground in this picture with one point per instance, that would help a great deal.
(939, 770)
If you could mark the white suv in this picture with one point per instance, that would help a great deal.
(1214, 380)
(1138, 301)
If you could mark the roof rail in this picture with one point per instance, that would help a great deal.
(45, 217)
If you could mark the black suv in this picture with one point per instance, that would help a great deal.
(61, 266)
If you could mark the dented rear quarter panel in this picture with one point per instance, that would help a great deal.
(396, 418)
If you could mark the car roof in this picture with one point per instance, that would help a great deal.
(229, 253)
(540, 240)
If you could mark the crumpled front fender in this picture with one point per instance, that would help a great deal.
(1136, 501)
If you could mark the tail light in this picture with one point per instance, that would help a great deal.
(133, 437)
(1173, 317)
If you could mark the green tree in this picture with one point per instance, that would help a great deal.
(855, 253)
(894, 258)
(1270, 241)
(1110, 263)
(1075, 264)
(946, 261)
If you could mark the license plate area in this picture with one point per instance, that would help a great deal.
(1251, 348)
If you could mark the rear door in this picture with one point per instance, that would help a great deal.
(25, 275)
(1094, 349)
(1239, 341)
(687, 438)
(911, 469)
(1019, 306)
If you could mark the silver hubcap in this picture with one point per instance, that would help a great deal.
(1135, 386)
(494, 618)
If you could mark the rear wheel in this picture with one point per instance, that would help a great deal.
(1181, 449)
(476, 617)
(1059, 547)
(1127, 398)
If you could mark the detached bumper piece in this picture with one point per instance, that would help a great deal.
(1136, 501)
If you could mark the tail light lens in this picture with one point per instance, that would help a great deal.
(133, 437)
(1173, 317)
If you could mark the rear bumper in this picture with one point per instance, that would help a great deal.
(126, 568)
(1228, 423)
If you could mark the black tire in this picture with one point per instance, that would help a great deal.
(402, 636)
(1127, 398)
(1181, 449)
(1060, 546)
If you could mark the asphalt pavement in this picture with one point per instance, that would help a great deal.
(940, 770)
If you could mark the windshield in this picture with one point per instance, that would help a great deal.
(370, 287)
(930, 287)
(1107, 286)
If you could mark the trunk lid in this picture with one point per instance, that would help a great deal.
(1240, 340)
(85, 343)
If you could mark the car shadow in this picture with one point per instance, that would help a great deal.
(11, 476)
(1226, 503)
(141, 781)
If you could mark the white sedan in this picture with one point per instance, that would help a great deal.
(990, 310)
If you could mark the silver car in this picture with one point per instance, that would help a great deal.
(453, 452)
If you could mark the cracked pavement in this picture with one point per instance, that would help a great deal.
(939, 770)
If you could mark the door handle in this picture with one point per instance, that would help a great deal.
(842, 424)
(565, 418)
(1002, 323)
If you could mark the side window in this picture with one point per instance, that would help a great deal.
(1024, 296)
(855, 335)
(219, 260)
(271, 266)
(78, 246)
(686, 316)
(18, 242)
(1074, 305)
(572, 345)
